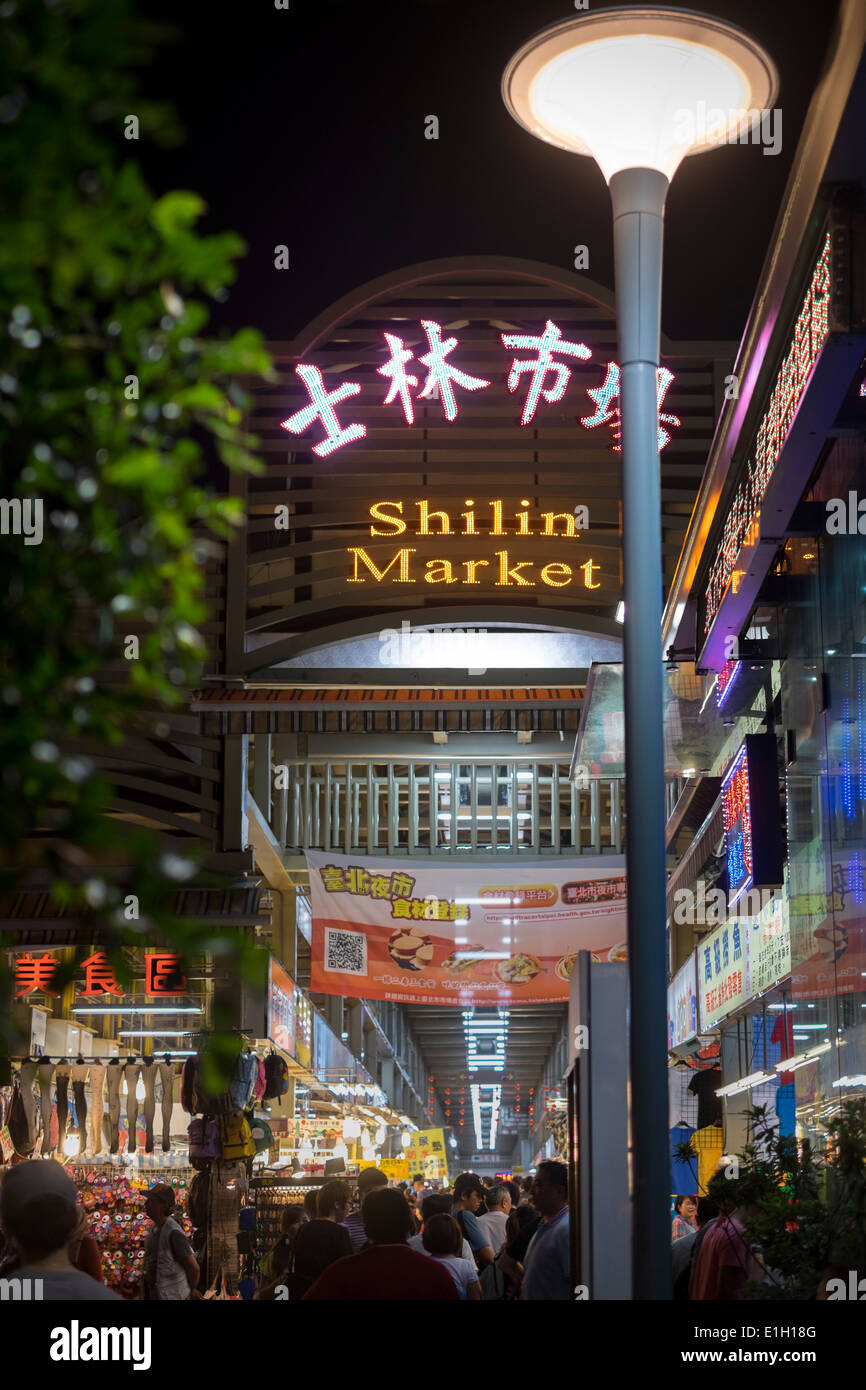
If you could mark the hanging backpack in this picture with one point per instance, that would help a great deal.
(237, 1139)
(204, 1138)
(263, 1135)
(261, 1081)
(276, 1077)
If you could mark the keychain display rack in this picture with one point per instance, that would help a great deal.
(114, 1203)
(269, 1194)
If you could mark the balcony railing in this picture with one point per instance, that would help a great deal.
(519, 807)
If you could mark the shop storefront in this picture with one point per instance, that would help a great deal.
(764, 635)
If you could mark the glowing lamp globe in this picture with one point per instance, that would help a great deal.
(639, 88)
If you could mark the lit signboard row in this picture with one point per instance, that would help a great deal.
(548, 381)
(749, 952)
(735, 963)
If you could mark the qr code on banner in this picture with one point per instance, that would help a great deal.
(346, 951)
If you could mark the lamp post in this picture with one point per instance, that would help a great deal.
(638, 90)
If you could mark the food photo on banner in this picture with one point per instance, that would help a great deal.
(443, 934)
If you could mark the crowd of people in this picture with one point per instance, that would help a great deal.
(477, 1240)
(361, 1240)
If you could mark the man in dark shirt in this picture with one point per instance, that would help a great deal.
(468, 1195)
(387, 1269)
(368, 1180)
(319, 1243)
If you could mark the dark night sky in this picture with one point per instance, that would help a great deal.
(306, 127)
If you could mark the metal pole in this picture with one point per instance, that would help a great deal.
(638, 209)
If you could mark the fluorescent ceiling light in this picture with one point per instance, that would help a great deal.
(800, 1059)
(153, 1032)
(757, 1078)
(139, 1009)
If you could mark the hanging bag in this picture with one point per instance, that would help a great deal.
(204, 1138)
(237, 1138)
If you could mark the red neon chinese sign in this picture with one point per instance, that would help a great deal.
(162, 973)
(98, 976)
(548, 381)
(34, 973)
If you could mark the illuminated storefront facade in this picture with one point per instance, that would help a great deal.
(765, 624)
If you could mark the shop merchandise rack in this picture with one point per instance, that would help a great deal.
(269, 1193)
(114, 1204)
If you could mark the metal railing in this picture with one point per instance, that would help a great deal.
(517, 807)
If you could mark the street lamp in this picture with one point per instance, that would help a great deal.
(639, 90)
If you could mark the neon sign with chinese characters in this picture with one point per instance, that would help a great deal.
(548, 381)
(750, 812)
(36, 973)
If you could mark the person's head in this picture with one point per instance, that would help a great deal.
(369, 1179)
(468, 1192)
(159, 1203)
(386, 1217)
(514, 1191)
(499, 1198)
(526, 1185)
(707, 1211)
(549, 1190)
(434, 1204)
(38, 1208)
(442, 1235)
(517, 1219)
(293, 1216)
(723, 1186)
(418, 1182)
(686, 1207)
(334, 1200)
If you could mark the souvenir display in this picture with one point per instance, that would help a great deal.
(117, 1220)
